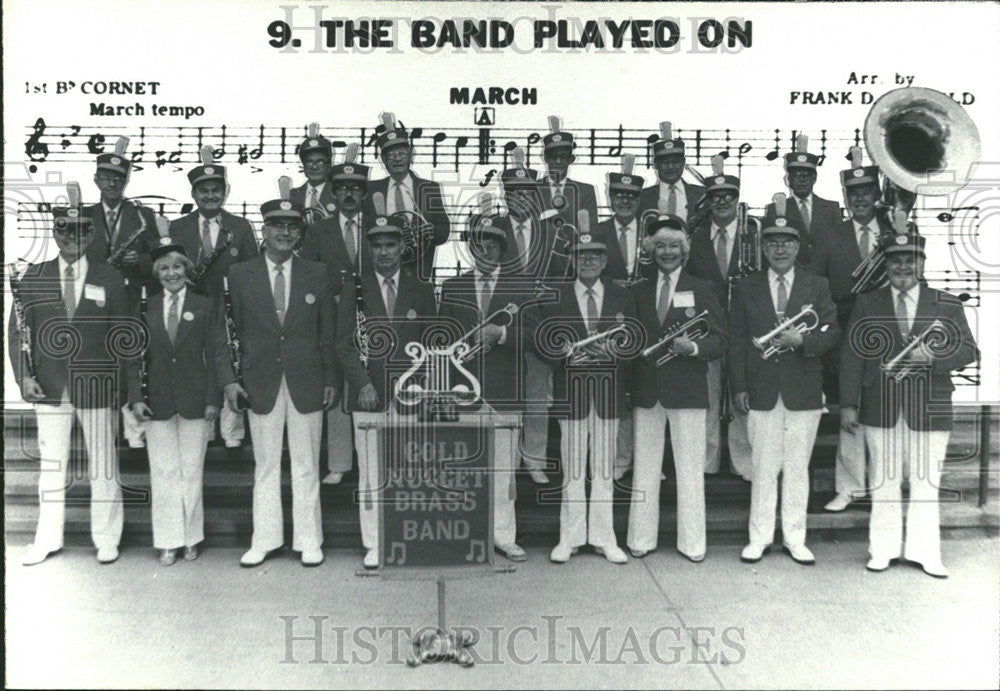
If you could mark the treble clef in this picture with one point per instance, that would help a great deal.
(36, 149)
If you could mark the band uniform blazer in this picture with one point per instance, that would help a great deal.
(702, 262)
(649, 198)
(430, 203)
(501, 370)
(415, 311)
(324, 243)
(798, 374)
(826, 217)
(186, 232)
(130, 219)
(182, 379)
(548, 252)
(680, 382)
(575, 388)
(579, 196)
(87, 354)
(301, 349)
(616, 268)
(873, 337)
(297, 195)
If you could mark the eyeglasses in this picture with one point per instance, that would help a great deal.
(780, 244)
(73, 229)
(316, 163)
(624, 196)
(110, 180)
(723, 197)
(353, 189)
(589, 257)
(288, 227)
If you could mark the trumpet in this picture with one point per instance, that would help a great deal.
(896, 367)
(468, 346)
(583, 351)
(803, 322)
(694, 329)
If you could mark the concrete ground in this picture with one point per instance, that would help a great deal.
(657, 622)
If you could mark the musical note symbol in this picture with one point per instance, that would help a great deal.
(436, 139)
(397, 554)
(36, 149)
(460, 143)
(744, 149)
(650, 140)
(946, 217)
(256, 152)
(773, 155)
(472, 556)
(507, 149)
(533, 138)
(217, 154)
(616, 151)
(138, 155)
(75, 131)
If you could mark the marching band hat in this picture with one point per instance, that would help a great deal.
(349, 172)
(165, 247)
(715, 183)
(66, 216)
(281, 208)
(863, 175)
(668, 222)
(484, 227)
(589, 241)
(619, 182)
(904, 242)
(207, 172)
(390, 134)
(554, 141)
(800, 159)
(115, 161)
(780, 225)
(384, 225)
(314, 141)
(512, 178)
(668, 147)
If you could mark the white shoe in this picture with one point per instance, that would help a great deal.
(800, 554)
(253, 557)
(107, 555)
(312, 557)
(877, 564)
(839, 502)
(753, 553)
(612, 553)
(512, 552)
(561, 553)
(538, 477)
(36, 555)
(935, 569)
(371, 559)
(333, 478)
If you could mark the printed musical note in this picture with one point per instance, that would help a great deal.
(532, 139)
(616, 151)
(217, 154)
(744, 149)
(948, 217)
(773, 155)
(435, 140)
(507, 149)
(66, 141)
(35, 148)
(246, 154)
(397, 554)
(474, 547)
(140, 152)
(460, 143)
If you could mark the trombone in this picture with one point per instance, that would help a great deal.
(584, 351)
(469, 346)
(803, 322)
(896, 367)
(694, 329)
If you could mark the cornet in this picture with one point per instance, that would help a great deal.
(803, 322)
(468, 347)
(583, 351)
(896, 367)
(694, 329)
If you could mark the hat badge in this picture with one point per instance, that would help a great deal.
(285, 206)
(626, 180)
(313, 142)
(391, 135)
(557, 137)
(487, 222)
(73, 213)
(381, 221)
(857, 172)
(115, 160)
(348, 169)
(209, 171)
(331, 206)
(720, 180)
(520, 173)
(668, 144)
(585, 238)
(901, 239)
(780, 222)
(800, 158)
(165, 241)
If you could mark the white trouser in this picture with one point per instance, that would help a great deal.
(339, 448)
(624, 446)
(575, 526)
(898, 451)
(504, 487)
(231, 426)
(176, 464)
(782, 442)
(133, 429)
(687, 438)
(55, 427)
(304, 433)
(366, 445)
(538, 398)
(739, 438)
(849, 473)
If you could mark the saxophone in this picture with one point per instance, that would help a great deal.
(118, 255)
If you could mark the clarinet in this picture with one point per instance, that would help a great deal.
(144, 360)
(233, 338)
(23, 328)
(198, 273)
(361, 333)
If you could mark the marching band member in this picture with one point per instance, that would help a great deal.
(558, 192)
(185, 337)
(808, 213)
(85, 301)
(715, 257)
(835, 257)
(783, 391)
(396, 299)
(676, 391)
(338, 242)
(405, 191)
(217, 239)
(471, 299)
(589, 397)
(124, 232)
(905, 416)
(678, 196)
(315, 195)
(624, 237)
(285, 313)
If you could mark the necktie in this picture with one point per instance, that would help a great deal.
(664, 300)
(485, 295)
(352, 245)
(522, 249)
(782, 297)
(390, 296)
(400, 205)
(279, 292)
(112, 225)
(804, 210)
(721, 252)
(623, 242)
(672, 200)
(172, 319)
(69, 291)
(864, 245)
(591, 310)
(206, 237)
(313, 198)
(903, 314)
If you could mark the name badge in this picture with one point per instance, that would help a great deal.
(95, 293)
(684, 298)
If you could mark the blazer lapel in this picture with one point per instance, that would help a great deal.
(761, 293)
(296, 293)
(154, 321)
(261, 287)
(371, 284)
(795, 295)
(184, 325)
(849, 243)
